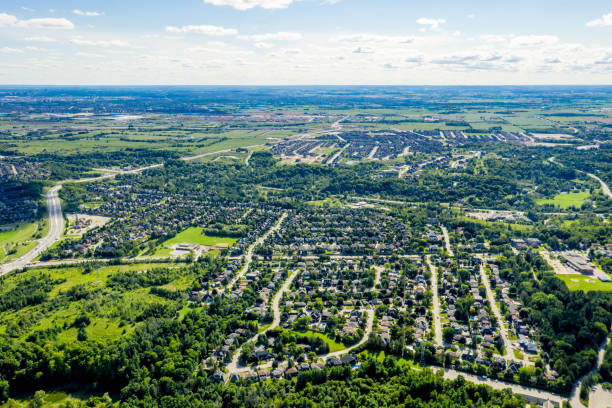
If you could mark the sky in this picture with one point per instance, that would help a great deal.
(304, 42)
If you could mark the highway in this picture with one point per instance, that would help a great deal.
(56, 227)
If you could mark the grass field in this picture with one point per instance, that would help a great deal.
(106, 309)
(333, 345)
(56, 399)
(565, 200)
(585, 283)
(20, 239)
(195, 235)
(327, 202)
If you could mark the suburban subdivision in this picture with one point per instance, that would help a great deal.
(378, 247)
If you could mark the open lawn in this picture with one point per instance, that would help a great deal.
(20, 239)
(333, 345)
(193, 235)
(565, 200)
(585, 283)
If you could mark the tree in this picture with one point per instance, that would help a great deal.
(447, 334)
(4, 391)
(38, 400)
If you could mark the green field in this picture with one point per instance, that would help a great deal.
(566, 200)
(20, 239)
(333, 345)
(111, 316)
(193, 235)
(585, 283)
(57, 399)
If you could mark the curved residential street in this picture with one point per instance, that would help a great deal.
(249, 254)
(528, 392)
(234, 369)
(574, 398)
(56, 227)
(366, 336)
(233, 366)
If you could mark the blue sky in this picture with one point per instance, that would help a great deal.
(305, 42)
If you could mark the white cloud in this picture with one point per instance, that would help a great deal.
(87, 13)
(603, 21)
(291, 51)
(41, 38)
(89, 55)
(248, 4)
(280, 36)
(414, 60)
(263, 45)
(202, 29)
(363, 50)
(431, 23)
(8, 50)
(374, 38)
(100, 43)
(48, 23)
(533, 41)
(8, 20)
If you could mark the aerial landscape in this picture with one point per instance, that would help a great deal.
(390, 213)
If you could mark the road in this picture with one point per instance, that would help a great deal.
(436, 301)
(201, 155)
(500, 321)
(364, 339)
(232, 367)
(336, 125)
(574, 398)
(604, 186)
(56, 227)
(246, 161)
(449, 249)
(379, 270)
(56, 218)
(528, 392)
(249, 254)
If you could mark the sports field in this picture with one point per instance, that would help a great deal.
(585, 283)
(566, 200)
